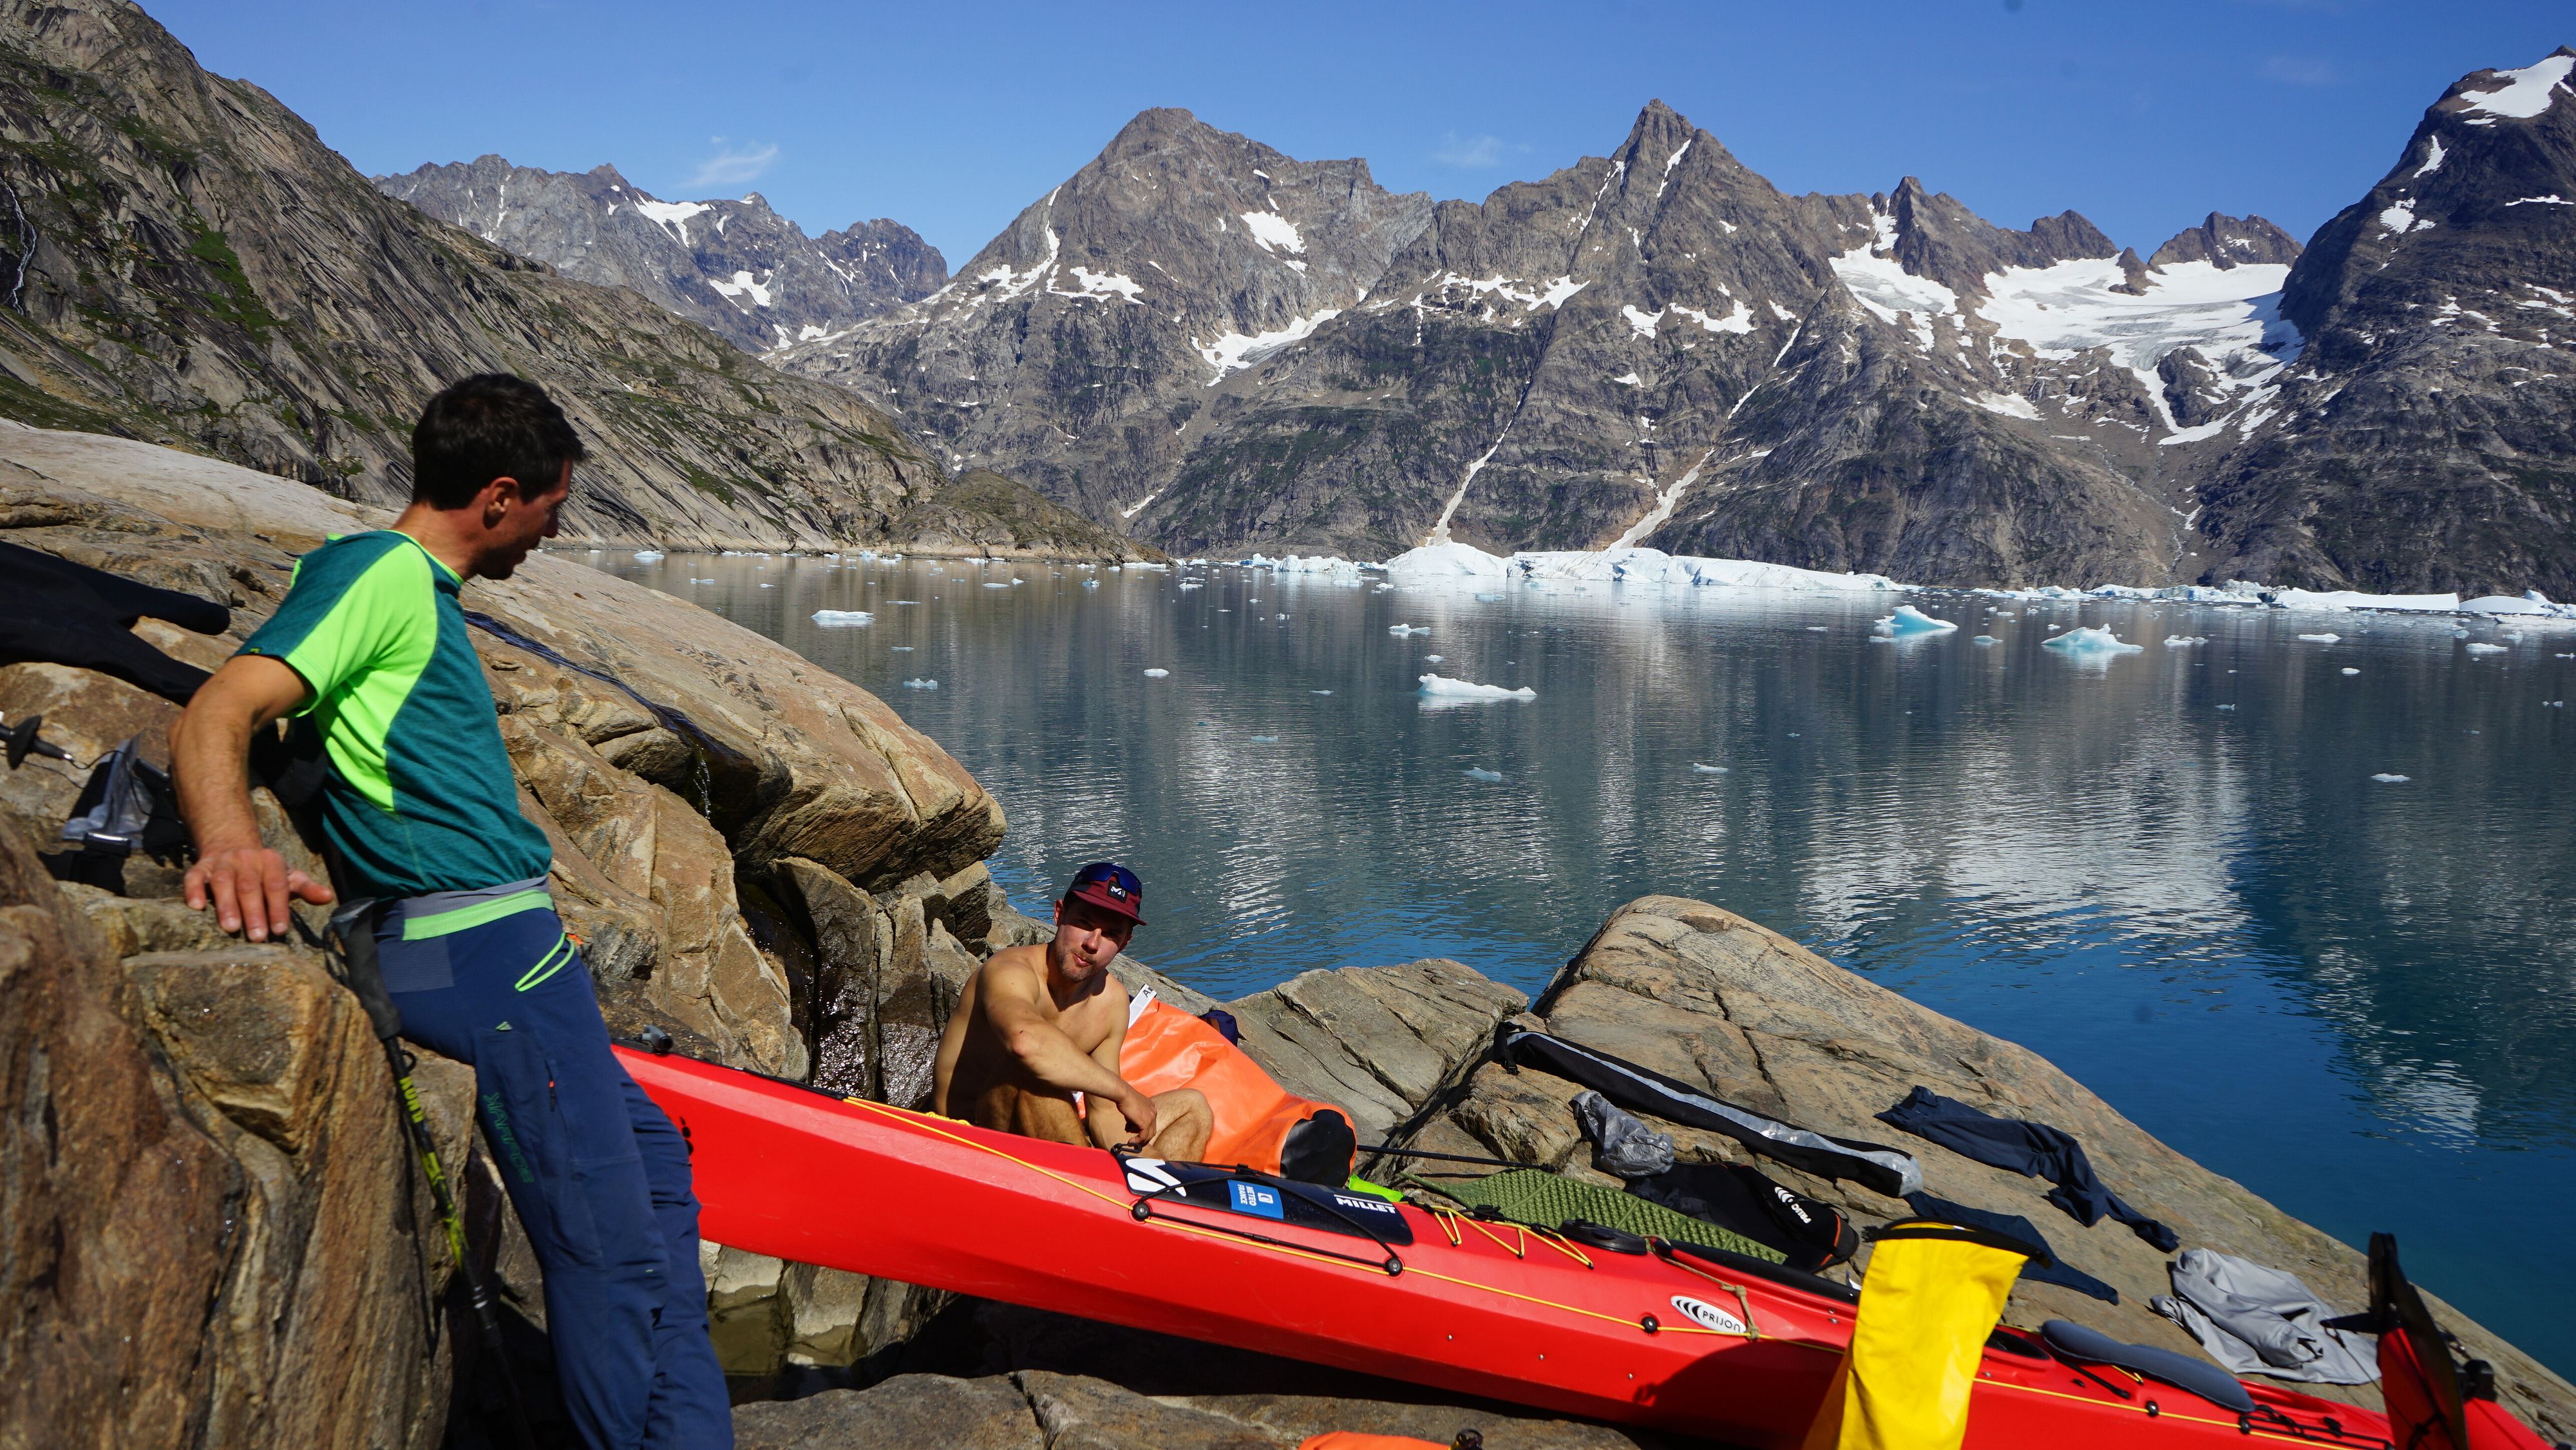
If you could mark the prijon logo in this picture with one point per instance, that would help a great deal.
(1709, 1316)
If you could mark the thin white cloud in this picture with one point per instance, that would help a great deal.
(1470, 151)
(2300, 70)
(734, 166)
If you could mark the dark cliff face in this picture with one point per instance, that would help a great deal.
(2426, 440)
(735, 266)
(187, 262)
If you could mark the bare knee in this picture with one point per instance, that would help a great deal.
(1184, 1123)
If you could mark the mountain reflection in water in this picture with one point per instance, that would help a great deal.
(2356, 997)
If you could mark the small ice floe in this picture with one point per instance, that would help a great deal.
(2184, 641)
(902, 649)
(1265, 739)
(1401, 630)
(702, 581)
(648, 556)
(921, 684)
(2349, 670)
(1909, 620)
(1985, 639)
(1319, 692)
(1090, 583)
(1189, 584)
(999, 584)
(1477, 772)
(1432, 660)
(2092, 639)
(2227, 707)
(2553, 704)
(1708, 769)
(2005, 614)
(842, 618)
(1156, 674)
(1441, 686)
(2481, 647)
(2384, 778)
(903, 601)
(1283, 616)
(768, 586)
(1816, 629)
(1489, 599)
(1382, 588)
(2321, 638)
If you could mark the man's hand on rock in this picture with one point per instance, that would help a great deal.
(249, 888)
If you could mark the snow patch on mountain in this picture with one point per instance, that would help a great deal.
(2526, 92)
(1271, 231)
(1235, 351)
(2230, 318)
(672, 216)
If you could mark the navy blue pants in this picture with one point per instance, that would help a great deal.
(598, 1175)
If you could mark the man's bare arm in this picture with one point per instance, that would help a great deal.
(1104, 1122)
(247, 883)
(1010, 998)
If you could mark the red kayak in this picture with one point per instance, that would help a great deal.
(1600, 1325)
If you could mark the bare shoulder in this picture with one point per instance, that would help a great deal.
(1013, 962)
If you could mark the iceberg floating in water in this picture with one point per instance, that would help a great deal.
(1401, 630)
(1708, 769)
(902, 649)
(648, 556)
(1265, 739)
(921, 684)
(2321, 638)
(2184, 641)
(2349, 670)
(1985, 639)
(1189, 584)
(1432, 660)
(2091, 640)
(1319, 692)
(2480, 647)
(2385, 778)
(1479, 773)
(1446, 688)
(1909, 620)
(834, 618)
(1488, 598)
(1453, 563)
(1156, 674)
(1090, 583)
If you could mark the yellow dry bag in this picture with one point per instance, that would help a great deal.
(1933, 1292)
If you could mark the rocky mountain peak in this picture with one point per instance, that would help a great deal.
(2229, 241)
(735, 265)
(2481, 191)
(2425, 441)
(1938, 237)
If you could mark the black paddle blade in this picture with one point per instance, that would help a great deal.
(23, 740)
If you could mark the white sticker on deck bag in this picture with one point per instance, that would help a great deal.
(1709, 1316)
(1147, 1175)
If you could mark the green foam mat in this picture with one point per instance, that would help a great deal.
(1535, 1196)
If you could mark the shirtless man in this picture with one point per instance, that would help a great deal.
(1038, 1024)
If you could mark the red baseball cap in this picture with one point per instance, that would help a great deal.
(1111, 887)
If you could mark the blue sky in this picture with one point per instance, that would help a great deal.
(952, 118)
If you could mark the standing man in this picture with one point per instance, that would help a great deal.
(421, 814)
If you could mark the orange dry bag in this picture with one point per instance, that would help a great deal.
(1259, 1124)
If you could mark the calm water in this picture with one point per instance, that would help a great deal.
(2358, 998)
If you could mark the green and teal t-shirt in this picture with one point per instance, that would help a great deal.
(420, 797)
